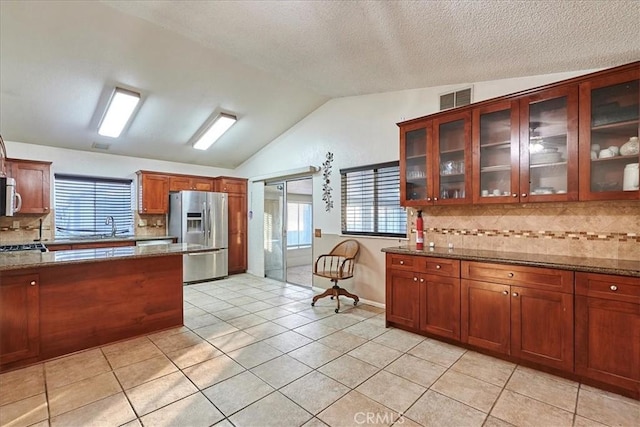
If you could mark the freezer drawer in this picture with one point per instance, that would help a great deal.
(202, 266)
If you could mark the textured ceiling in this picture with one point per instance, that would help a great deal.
(271, 62)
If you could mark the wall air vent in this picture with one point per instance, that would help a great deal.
(455, 99)
(100, 146)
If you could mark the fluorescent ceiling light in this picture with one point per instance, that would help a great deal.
(220, 125)
(121, 106)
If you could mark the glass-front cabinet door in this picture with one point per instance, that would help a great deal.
(415, 181)
(496, 153)
(549, 145)
(609, 145)
(452, 156)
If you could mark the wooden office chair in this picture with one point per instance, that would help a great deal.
(337, 265)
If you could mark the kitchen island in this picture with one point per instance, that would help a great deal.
(55, 303)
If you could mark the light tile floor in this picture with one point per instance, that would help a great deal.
(254, 353)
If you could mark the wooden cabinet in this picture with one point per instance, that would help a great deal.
(416, 181)
(436, 161)
(184, 182)
(33, 184)
(452, 158)
(528, 146)
(607, 327)
(526, 312)
(19, 317)
(236, 188)
(424, 293)
(153, 193)
(609, 117)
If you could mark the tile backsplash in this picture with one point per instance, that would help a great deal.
(589, 229)
(24, 228)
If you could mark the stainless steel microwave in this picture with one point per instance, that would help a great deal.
(10, 200)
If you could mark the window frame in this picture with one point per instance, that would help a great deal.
(375, 203)
(93, 224)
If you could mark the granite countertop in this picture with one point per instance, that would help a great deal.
(36, 259)
(622, 267)
(70, 241)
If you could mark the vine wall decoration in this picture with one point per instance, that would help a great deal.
(326, 181)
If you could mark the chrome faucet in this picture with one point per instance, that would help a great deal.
(111, 221)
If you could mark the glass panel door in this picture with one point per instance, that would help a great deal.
(548, 149)
(413, 149)
(274, 231)
(614, 138)
(497, 177)
(453, 145)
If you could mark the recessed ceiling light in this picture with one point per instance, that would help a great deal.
(218, 126)
(121, 106)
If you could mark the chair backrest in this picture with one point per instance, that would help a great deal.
(347, 248)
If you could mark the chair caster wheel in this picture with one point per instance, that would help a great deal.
(331, 297)
(336, 310)
(313, 304)
(355, 303)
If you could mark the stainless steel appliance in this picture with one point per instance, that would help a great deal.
(10, 201)
(201, 217)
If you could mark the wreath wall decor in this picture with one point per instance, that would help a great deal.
(326, 182)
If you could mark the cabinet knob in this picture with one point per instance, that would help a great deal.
(435, 199)
(415, 279)
(523, 195)
(401, 262)
(514, 195)
(515, 294)
(505, 292)
(421, 280)
(438, 267)
(428, 199)
(510, 274)
(613, 288)
(33, 283)
(46, 209)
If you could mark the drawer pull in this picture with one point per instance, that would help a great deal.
(505, 292)
(401, 262)
(515, 294)
(438, 267)
(415, 279)
(510, 274)
(613, 288)
(514, 195)
(33, 283)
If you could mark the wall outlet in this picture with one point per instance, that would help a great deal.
(318, 232)
(16, 225)
(142, 223)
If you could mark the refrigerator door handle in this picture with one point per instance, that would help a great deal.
(209, 224)
(204, 223)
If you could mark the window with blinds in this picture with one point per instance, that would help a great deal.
(371, 201)
(82, 205)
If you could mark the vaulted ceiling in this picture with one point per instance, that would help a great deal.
(271, 62)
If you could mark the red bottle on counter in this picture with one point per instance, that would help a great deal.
(419, 232)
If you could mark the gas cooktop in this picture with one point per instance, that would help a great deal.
(24, 247)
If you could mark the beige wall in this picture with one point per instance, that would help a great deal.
(369, 274)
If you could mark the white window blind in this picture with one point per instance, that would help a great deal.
(371, 201)
(82, 205)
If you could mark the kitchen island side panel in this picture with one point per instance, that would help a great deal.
(87, 305)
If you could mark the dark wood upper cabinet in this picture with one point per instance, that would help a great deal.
(33, 183)
(153, 193)
(609, 117)
(538, 145)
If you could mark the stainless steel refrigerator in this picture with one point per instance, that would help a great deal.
(201, 217)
